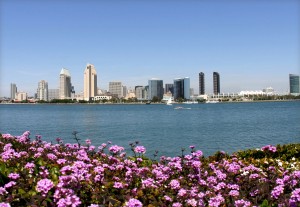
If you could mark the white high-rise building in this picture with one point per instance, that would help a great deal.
(65, 86)
(90, 82)
(115, 88)
(42, 91)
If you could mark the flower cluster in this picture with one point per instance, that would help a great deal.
(38, 173)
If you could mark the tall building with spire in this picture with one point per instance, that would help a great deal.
(65, 86)
(201, 84)
(216, 80)
(90, 82)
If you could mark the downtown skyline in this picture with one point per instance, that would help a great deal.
(253, 45)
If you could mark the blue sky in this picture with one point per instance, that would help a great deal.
(252, 44)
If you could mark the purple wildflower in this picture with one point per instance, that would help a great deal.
(177, 205)
(269, 148)
(118, 185)
(295, 197)
(174, 184)
(242, 203)
(116, 149)
(216, 201)
(3, 191)
(133, 203)
(2, 204)
(14, 176)
(277, 191)
(44, 186)
(140, 149)
(10, 184)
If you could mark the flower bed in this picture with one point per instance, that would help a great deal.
(38, 173)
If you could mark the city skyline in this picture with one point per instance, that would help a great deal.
(253, 45)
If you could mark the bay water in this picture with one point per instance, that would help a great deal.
(225, 127)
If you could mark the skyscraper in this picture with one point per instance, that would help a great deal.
(169, 87)
(182, 88)
(42, 91)
(201, 84)
(65, 86)
(155, 88)
(90, 82)
(294, 84)
(115, 88)
(13, 91)
(186, 88)
(216, 79)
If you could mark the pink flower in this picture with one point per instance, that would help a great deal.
(269, 148)
(118, 185)
(174, 184)
(44, 186)
(116, 149)
(133, 203)
(14, 176)
(140, 149)
(10, 184)
(2, 204)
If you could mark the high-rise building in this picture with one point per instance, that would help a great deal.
(42, 91)
(115, 89)
(294, 84)
(186, 88)
(182, 88)
(53, 94)
(169, 87)
(90, 82)
(65, 86)
(201, 84)
(216, 80)
(155, 89)
(13, 91)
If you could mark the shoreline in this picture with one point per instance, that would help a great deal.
(135, 103)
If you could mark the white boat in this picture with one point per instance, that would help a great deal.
(190, 102)
(169, 102)
(179, 107)
(212, 101)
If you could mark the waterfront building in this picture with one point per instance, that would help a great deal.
(216, 81)
(124, 91)
(53, 94)
(182, 88)
(169, 87)
(178, 88)
(141, 93)
(168, 96)
(13, 91)
(186, 87)
(90, 82)
(42, 91)
(65, 86)
(294, 84)
(21, 96)
(269, 91)
(101, 98)
(115, 88)
(201, 84)
(155, 88)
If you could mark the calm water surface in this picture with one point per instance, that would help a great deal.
(210, 127)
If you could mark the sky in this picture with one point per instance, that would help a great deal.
(252, 44)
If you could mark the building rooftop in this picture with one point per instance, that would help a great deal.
(65, 72)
